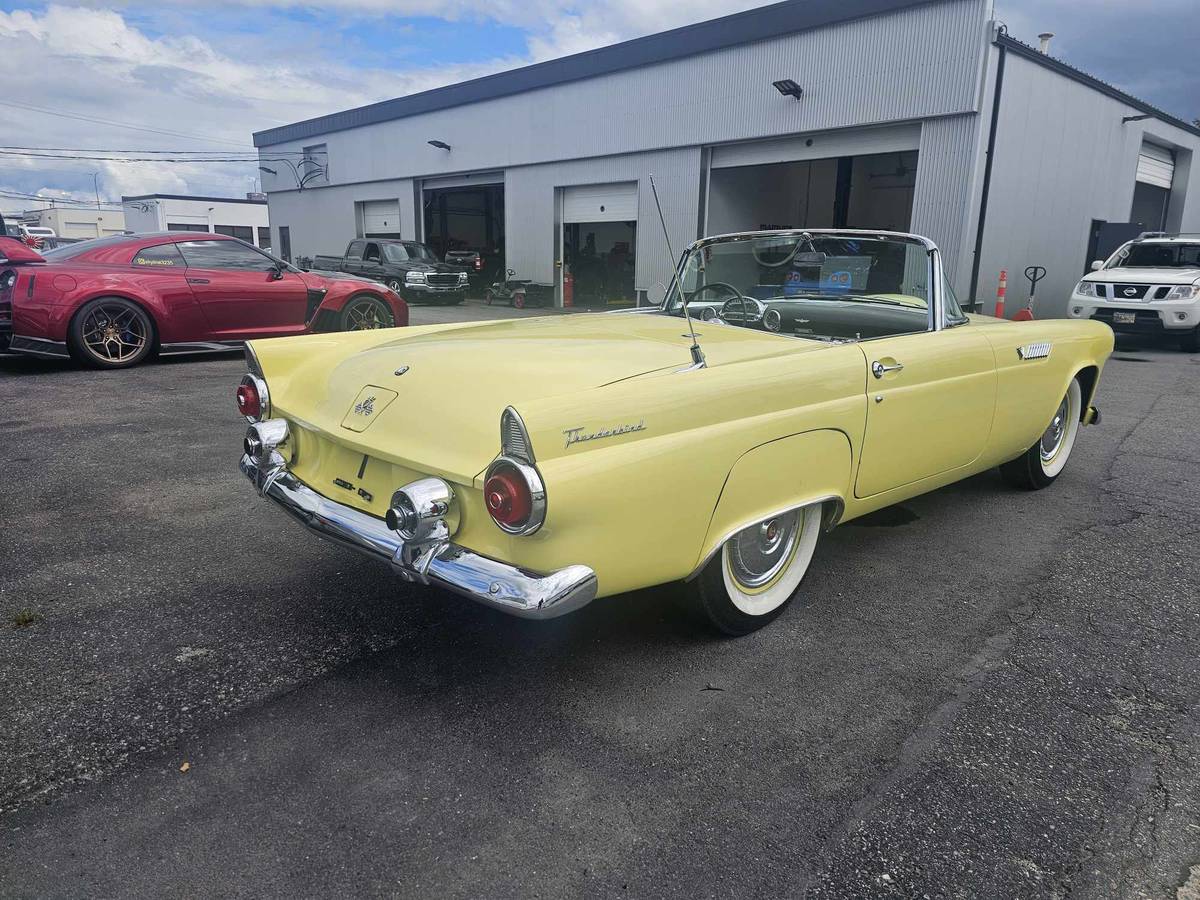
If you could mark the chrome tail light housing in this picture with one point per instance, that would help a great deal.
(253, 398)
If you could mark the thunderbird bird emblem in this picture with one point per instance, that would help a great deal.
(578, 435)
(366, 407)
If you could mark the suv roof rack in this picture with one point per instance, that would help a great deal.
(1167, 234)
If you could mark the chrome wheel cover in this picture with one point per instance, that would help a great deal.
(1052, 437)
(759, 553)
(114, 332)
(366, 314)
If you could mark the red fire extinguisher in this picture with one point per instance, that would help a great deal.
(568, 289)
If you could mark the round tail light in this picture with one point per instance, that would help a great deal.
(252, 398)
(514, 496)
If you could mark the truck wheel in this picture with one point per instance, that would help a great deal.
(1038, 466)
(364, 312)
(757, 572)
(1189, 341)
(110, 333)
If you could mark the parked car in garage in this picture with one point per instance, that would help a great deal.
(1150, 285)
(576, 457)
(407, 267)
(112, 302)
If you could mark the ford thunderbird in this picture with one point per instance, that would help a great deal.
(535, 465)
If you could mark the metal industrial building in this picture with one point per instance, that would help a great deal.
(923, 116)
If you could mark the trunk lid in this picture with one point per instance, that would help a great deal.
(432, 398)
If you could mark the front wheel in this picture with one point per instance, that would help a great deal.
(364, 313)
(1038, 466)
(757, 572)
(111, 333)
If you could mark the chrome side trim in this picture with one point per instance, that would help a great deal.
(831, 514)
(510, 589)
(39, 347)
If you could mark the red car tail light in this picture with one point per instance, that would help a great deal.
(478, 263)
(253, 400)
(514, 495)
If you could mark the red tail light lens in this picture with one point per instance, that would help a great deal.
(247, 401)
(508, 497)
(478, 263)
(252, 399)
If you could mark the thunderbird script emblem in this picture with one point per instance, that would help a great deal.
(365, 407)
(578, 435)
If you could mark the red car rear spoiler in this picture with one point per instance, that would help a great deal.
(14, 252)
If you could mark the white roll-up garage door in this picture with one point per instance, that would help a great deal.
(601, 202)
(381, 217)
(1156, 165)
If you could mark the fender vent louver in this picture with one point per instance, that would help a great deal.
(514, 439)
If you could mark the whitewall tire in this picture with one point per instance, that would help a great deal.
(1042, 463)
(758, 571)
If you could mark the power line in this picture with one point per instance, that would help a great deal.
(6, 147)
(97, 121)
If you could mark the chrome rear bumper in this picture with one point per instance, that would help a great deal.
(493, 583)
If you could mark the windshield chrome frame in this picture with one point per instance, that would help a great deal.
(935, 273)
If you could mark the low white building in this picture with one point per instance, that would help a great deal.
(76, 223)
(239, 217)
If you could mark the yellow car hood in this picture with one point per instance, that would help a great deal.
(431, 397)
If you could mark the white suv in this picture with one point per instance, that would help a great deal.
(1151, 285)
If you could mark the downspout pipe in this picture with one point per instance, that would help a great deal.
(987, 169)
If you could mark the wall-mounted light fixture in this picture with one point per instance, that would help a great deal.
(1125, 119)
(788, 88)
(441, 145)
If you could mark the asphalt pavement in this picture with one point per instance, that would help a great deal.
(983, 693)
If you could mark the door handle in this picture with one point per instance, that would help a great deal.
(197, 281)
(878, 369)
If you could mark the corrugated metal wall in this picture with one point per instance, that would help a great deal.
(1063, 158)
(943, 196)
(903, 66)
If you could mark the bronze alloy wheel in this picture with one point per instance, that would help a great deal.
(365, 314)
(111, 333)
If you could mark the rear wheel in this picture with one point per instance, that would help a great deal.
(1189, 341)
(1038, 466)
(111, 333)
(364, 313)
(757, 572)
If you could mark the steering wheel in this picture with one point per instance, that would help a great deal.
(709, 313)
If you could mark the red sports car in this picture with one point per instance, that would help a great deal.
(113, 301)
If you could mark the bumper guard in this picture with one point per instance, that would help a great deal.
(499, 585)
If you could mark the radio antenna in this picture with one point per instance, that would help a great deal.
(698, 361)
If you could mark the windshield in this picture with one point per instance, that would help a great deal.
(406, 250)
(1157, 256)
(833, 287)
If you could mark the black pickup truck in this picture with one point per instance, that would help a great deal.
(409, 268)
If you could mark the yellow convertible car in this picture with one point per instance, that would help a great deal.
(534, 465)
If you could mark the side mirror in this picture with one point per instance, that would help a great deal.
(276, 273)
(1097, 265)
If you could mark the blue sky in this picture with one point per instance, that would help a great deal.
(216, 72)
